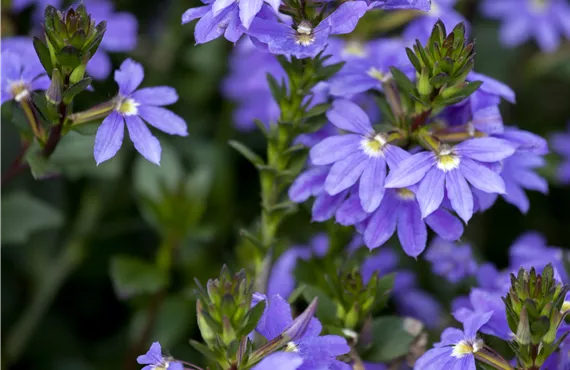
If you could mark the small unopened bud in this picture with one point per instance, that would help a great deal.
(55, 91)
(299, 326)
(523, 331)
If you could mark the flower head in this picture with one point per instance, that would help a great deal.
(21, 74)
(453, 262)
(542, 20)
(132, 106)
(450, 169)
(155, 360)
(457, 348)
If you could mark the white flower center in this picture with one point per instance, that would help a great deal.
(464, 348)
(127, 106)
(379, 75)
(447, 160)
(354, 48)
(291, 347)
(373, 146)
(565, 306)
(435, 10)
(538, 6)
(304, 36)
(20, 90)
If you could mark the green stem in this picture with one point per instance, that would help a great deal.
(92, 114)
(58, 270)
(492, 358)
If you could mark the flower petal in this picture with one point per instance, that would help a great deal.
(447, 226)
(109, 137)
(325, 205)
(334, 149)
(159, 95)
(474, 323)
(129, 76)
(280, 360)
(348, 116)
(371, 186)
(308, 183)
(410, 171)
(345, 173)
(481, 177)
(195, 13)
(345, 18)
(459, 194)
(350, 212)
(431, 190)
(382, 224)
(145, 143)
(99, 65)
(412, 230)
(278, 317)
(164, 120)
(486, 149)
(219, 5)
(248, 9)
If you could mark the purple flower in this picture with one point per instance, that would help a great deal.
(248, 9)
(456, 349)
(420, 305)
(316, 351)
(450, 169)
(40, 5)
(280, 361)
(492, 280)
(21, 74)
(522, 20)
(482, 301)
(561, 144)
(370, 68)
(359, 156)
(306, 40)
(132, 106)
(421, 27)
(282, 279)
(154, 359)
(226, 22)
(401, 4)
(121, 36)
(453, 262)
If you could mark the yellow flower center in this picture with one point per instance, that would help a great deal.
(464, 348)
(19, 90)
(305, 36)
(378, 74)
(127, 106)
(373, 146)
(447, 160)
(565, 306)
(354, 48)
(405, 194)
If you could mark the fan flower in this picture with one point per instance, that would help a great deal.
(21, 74)
(315, 350)
(456, 349)
(132, 106)
(360, 156)
(453, 262)
(401, 4)
(543, 20)
(305, 40)
(280, 361)
(154, 359)
(248, 9)
(451, 168)
(561, 144)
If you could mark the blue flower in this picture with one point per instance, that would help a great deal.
(154, 359)
(401, 4)
(280, 361)
(450, 169)
(305, 40)
(456, 349)
(453, 262)
(544, 21)
(315, 350)
(248, 9)
(561, 144)
(21, 74)
(120, 36)
(132, 106)
(210, 26)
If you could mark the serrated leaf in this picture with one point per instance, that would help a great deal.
(23, 215)
(247, 153)
(132, 276)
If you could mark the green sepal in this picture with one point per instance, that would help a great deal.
(75, 89)
(253, 158)
(43, 54)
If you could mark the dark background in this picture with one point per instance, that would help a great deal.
(91, 325)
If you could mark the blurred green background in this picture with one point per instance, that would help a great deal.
(85, 246)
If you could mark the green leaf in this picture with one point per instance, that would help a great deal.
(87, 129)
(327, 72)
(317, 110)
(22, 215)
(391, 338)
(75, 89)
(326, 308)
(252, 239)
(404, 84)
(205, 351)
(133, 276)
(278, 90)
(43, 54)
(247, 153)
(414, 60)
(383, 290)
(40, 167)
(251, 319)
